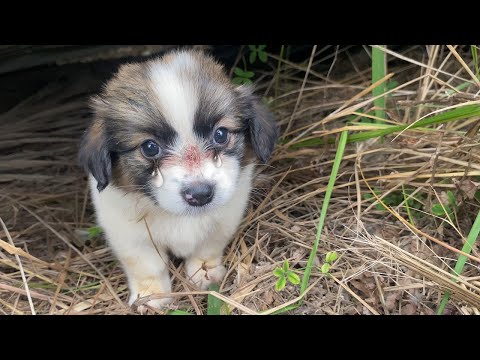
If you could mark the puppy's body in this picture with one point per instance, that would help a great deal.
(170, 155)
(199, 239)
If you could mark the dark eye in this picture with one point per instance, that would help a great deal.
(220, 135)
(150, 149)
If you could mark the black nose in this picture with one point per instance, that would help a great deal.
(198, 194)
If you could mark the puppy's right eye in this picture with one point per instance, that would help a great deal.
(150, 149)
(220, 136)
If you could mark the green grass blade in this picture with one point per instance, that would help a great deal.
(379, 71)
(323, 212)
(214, 304)
(460, 87)
(443, 303)
(475, 60)
(405, 198)
(285, 309)
(462, 259)
(463, 112)
(178, 312)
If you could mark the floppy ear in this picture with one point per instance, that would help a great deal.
(262, 128)
(94, 155)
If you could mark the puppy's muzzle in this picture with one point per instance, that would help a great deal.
(198, 193)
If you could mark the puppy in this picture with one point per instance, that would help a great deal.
(170, 155)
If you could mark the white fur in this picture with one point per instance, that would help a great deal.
(200, 239)
(176, 94)
(178, 101)
(175, 177)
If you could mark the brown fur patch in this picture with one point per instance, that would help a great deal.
(229, 123)
(249, 156)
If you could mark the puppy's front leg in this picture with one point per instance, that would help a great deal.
(147, 273)
(205, 266)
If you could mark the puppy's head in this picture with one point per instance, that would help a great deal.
(177, 131)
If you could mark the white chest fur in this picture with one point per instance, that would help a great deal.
(123, 217)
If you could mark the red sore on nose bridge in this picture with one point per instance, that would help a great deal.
(191, 156)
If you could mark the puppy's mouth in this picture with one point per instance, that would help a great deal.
(194, 210)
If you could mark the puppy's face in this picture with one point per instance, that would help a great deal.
(177, 131)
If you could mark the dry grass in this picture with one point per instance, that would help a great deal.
(384, 265)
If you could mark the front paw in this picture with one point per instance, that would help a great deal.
(138, 303)
(142, 289)
(203, 274)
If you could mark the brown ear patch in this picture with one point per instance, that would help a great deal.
(263, 131)
(262, 128)
(94, 155)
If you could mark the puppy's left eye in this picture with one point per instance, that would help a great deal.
(220, 135)
(150, 149)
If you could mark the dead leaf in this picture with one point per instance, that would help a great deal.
(298, 255)
(370, 284)
(408, 309)
(350, 310)
(444, 198)
(245, 255)
(440, 229)
(360, 286)
(365, 311)
(427, 311)
(87, 304)
(242, 273)
(391, 300)
(268, 297)
(242, 293)
(13, 250)
(449, 310)
(468, 187)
